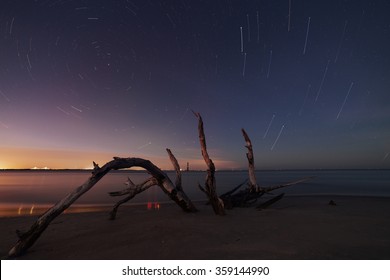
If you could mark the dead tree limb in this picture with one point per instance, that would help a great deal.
(227, 197)
(132, 190)
(27, 239)
(229, 193)
(272, 188)
(247, 197)
(177, 169)
(210, 184)
(253, 186)
(268, 203)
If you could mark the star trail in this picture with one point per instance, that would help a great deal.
(83, 81)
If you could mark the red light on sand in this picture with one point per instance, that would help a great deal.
(153, 205)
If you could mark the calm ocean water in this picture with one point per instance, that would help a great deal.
(24, 192)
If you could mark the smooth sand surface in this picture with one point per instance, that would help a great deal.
(293, 228)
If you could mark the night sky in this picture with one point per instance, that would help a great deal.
(83, 81)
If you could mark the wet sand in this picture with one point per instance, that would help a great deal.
(297, 227)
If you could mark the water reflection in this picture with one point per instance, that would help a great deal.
(33, 192)
(13, 210)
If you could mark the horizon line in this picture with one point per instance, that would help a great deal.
(184, 171)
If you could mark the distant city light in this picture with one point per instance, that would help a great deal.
(40, 168)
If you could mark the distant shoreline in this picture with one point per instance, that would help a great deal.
(189, 171)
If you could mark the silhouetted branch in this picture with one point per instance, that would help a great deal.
(271, 188)
(177, 169)
(132, 190)
(251, 163)
(268, 203)
(210, 184)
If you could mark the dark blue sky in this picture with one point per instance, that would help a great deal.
(88, 80)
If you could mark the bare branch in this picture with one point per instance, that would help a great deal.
(268, 203)
(210, 185)
(203, 189)
(132, 191)
(268, 189)
(229, 193)
(251, 163)
(177, 169)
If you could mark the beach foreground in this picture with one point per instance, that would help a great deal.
(297, 227)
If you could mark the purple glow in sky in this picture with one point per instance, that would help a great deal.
(88, 80)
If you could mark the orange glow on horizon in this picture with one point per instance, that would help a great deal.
(24, 158)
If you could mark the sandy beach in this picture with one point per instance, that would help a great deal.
(297, 227)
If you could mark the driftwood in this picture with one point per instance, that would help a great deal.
(210, 184)
(272, 188)
(132, 189)
(27, 239)
(250, 195)
(177, 169)
(246, 198)
(269, 202)
(251, 163)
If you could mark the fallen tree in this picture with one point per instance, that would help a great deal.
(27, 239)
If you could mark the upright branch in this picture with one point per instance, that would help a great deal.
(27, 239)
(247, 197)
(253, 186)
(177, 169)
(210, 184)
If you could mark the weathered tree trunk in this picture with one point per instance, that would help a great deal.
(251, 163)
(210, 184)
(27, 239)
(177, 169)
(132, 190)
